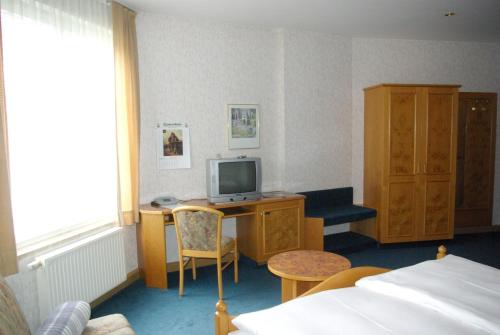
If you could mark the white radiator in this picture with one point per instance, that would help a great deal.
(81, 271)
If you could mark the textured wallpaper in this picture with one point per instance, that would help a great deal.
(475, 66)
(189, 71)
(130, 243)
(317, 85)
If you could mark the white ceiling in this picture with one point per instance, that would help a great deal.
(477, 20)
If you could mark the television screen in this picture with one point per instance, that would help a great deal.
(237, 177)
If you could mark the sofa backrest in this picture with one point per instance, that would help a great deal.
(12, 321)
(328, 198)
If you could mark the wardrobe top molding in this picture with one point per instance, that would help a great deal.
(410, 85)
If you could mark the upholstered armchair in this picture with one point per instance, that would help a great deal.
(69, 318)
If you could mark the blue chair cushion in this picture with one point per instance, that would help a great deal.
(341, 214)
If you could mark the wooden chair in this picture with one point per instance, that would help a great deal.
(199, 235)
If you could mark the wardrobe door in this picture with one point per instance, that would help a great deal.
(439, 157)
(475, 159)
(399, 202)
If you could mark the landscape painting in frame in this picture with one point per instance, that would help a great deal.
(243, 126)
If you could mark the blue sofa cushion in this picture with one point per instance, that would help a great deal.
(328, 198)
(341, 214)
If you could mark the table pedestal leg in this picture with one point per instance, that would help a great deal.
(288, 289)
(291, 289)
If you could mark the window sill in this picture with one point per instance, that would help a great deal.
(59, 240)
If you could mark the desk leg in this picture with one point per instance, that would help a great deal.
(153, 250)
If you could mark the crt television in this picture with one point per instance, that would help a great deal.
(233, 179)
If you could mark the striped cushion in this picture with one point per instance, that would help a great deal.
(12, 321)
(69, 318)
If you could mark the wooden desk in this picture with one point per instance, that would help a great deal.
(264, 228)
(301, 270)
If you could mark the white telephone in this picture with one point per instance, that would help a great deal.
(164, 201)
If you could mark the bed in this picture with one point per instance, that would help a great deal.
(450, 295)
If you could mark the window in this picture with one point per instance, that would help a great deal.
(59, 87)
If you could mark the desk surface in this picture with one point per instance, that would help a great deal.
(148, 209)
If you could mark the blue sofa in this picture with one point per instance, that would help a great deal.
(335, 206)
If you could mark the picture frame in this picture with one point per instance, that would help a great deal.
(243, 126)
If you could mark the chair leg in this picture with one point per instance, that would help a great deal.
(193, 263)
(181, 276)
(219, 276)
(235, 262)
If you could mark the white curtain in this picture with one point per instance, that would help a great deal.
(59, 85)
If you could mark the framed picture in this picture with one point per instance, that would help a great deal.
(243, 126)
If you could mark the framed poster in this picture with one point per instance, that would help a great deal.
(243, 126)
(174, 150)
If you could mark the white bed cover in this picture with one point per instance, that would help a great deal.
(462, 298)
(455, 286)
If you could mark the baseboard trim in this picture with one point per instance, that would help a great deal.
(132, 277)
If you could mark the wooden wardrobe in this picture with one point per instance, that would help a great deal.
(475, 160)
(410, 160)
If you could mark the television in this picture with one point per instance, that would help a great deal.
(233, 179)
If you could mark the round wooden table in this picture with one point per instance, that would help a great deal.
(300, 270)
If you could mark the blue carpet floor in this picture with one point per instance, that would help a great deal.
(154, 311)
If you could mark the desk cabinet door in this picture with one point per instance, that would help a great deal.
(281, 228)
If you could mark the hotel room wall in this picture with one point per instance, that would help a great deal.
(473, 65)
(189, 70)
(317, 98)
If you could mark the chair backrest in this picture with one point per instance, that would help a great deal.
(12, 321)
(198, 228)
